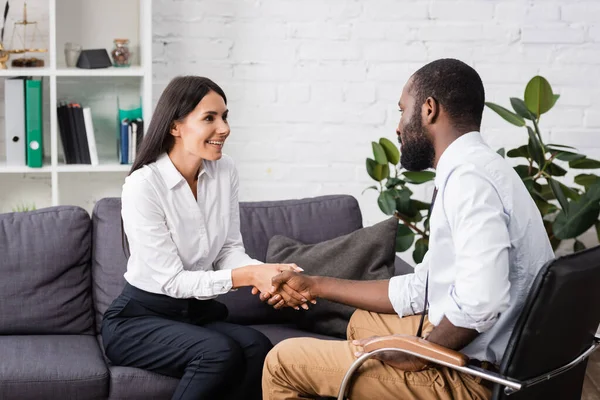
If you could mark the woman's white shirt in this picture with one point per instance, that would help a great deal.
(180, 246)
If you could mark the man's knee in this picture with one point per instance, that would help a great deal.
(356, 320)
(282, 352)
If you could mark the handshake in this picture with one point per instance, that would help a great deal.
(283, 285)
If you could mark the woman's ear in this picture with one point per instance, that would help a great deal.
(175, 129)
(431, 110)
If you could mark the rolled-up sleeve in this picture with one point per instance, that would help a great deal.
(233, 254)
(479, 226)
(153, 248)
(407, 292)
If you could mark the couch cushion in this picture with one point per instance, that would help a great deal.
(365, 254)
(128, 383)
(45, 269)
(108, 258)
(278, 332)
(52, 367)
(310, 220)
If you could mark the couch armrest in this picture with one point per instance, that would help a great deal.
(418, 346)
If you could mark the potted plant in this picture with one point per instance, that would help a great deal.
(569, 209)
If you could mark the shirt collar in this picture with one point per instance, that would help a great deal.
(172, 176)
(454, 154)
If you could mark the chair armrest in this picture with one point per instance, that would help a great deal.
(418, 346)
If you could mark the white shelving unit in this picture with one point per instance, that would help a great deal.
(93, 24)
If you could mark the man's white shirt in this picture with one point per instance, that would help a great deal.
(487, 243)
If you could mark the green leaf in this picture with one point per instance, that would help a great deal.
(418, 177)
(598, 230)
(374, 170)
(569, 192)
(545, 207)
(520, 108)
(535, 148)
(421, 247)
(523, 171)
(419, 205)
(538, 96)
(558, 193)
(391, 150)
(404, 238)
(393, 182)
(519, 152)
(403, 204)
(580, 216)
(585, 163)
(559, 146)
(506, 114)
(379, 153)
(556, 170)
(578, 246)
(386, 202)
(370, 187)
(586, 179)
(568, 156)
(555, 99)
(554, 241)
(502, 152)
(385, 171)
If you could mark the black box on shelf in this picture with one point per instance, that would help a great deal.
(95, 58)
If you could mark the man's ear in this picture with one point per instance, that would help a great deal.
(431, 110)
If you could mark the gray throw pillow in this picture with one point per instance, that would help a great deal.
(366, 254)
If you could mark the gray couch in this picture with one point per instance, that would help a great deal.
(61, 269)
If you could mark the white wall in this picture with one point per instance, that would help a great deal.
(311, 82)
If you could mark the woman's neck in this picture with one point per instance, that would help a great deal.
(188, 166)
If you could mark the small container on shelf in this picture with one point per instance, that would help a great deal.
(120, 54)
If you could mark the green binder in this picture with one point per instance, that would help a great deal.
(34, 123)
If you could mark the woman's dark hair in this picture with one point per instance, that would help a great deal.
(180, 97)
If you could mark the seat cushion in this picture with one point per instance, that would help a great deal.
(52, 367)
(128, 383)
(279, 332)
(45, 269)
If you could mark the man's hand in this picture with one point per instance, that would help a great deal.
(396, 359)
(288, 283)
(271, 291)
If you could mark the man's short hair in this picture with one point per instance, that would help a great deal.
(455, 86)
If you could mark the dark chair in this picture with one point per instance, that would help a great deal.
(548, 350)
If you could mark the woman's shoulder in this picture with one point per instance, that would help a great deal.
(143, 181)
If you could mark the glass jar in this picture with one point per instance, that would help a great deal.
(120, 54)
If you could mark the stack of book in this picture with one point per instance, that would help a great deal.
(23, 122)
(130, 136)
(77, 134)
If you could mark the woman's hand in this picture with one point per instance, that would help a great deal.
(260, 276)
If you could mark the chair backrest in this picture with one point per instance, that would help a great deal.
(558, 322)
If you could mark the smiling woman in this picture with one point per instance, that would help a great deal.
(180, 214)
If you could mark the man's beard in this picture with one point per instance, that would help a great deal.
(418, 153)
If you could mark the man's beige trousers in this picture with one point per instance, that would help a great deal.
(307, 368)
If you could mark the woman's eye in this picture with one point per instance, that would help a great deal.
(209, 118)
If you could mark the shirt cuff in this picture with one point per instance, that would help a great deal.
(222, 282)
(399, 292)
(460, 318)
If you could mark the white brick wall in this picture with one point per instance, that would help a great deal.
(312, 82)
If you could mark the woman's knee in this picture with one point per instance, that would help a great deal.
(259, 347)
(220, 352)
